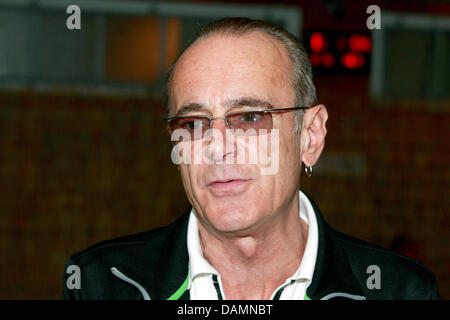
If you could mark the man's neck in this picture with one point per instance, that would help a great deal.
(253, 264)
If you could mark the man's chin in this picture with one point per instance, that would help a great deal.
(231, 222)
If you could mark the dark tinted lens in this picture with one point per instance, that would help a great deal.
(191, 124)
(256, 120)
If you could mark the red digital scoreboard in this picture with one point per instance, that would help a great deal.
(339, 52)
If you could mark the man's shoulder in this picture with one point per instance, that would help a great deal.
(386, 272)
(360, 250)
(115, 250)
(98, 258)
(106, 269)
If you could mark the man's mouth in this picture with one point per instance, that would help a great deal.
(228, 186)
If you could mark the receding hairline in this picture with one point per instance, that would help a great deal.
(301, 76)
(275, 43)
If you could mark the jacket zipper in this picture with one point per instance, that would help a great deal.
(123, 277)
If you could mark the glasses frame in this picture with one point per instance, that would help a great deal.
(227, 121)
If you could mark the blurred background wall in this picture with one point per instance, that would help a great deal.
(84, 155)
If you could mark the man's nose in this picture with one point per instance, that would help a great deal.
(219, 124)
(218, 145)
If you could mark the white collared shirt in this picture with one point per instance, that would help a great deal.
(201, 273)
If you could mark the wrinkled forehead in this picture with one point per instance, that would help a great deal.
(223, 67)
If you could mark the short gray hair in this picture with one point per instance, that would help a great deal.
(301, 79)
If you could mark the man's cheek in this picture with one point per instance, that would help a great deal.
(188, 178)
(269, 153)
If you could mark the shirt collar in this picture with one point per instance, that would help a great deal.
(306, 269)
(199, 266)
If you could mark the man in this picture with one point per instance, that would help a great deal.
(250, 234)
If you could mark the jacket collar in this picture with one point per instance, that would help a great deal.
(161, 266)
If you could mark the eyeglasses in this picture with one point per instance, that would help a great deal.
(246, 123)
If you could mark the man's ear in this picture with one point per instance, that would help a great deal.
(313, 133)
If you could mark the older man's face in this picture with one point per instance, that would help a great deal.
(212, 75)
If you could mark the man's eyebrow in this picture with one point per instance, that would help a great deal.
(189, 108)
(248, 102)
(233, 103)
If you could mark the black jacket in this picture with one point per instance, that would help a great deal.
(154, 265)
